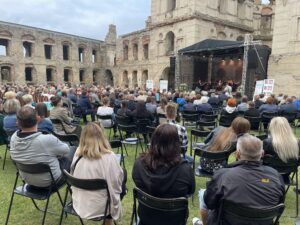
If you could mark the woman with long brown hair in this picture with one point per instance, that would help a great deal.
(222, 139)
(161, 171)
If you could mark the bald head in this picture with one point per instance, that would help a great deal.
(249, 148)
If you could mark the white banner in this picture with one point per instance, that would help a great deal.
(268, 86)
(259, 86)
(163, 85)
(149, 84)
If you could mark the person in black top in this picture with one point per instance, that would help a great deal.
(252, 111)
(141, 112)
(161, 172)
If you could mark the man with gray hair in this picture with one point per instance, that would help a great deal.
(246, 182)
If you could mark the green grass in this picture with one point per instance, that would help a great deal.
(23, 211)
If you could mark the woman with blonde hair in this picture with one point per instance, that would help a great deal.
(95, 160)
(282, 142)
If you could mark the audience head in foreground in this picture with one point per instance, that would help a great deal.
(161, 171)
(95, 160)
(262, 186)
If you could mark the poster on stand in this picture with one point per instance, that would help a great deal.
(149, 84)
(259, 86)
(268, 87)
(163, 85)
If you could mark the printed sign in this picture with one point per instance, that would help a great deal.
(149, 84)
(163, 85)
(268, 86)
(258, 87)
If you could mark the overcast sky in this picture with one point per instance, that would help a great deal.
(87, 18)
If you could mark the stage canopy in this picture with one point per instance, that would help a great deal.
(211, 45)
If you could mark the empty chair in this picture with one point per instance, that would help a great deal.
(254, 122)
(190, 117)
(194, 139)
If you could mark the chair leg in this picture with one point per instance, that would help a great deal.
(45, 211)
(60, 199)
(297, 197)
(36, 206)
(9, 208)
(4, 159)
(81, 221)
(63, 206)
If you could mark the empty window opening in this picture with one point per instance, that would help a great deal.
(48, 51)
(66, 52)
(27, 49)
(66, 75)
(81, 75)
(171, 5)
(170, 40)
(125, 51)
(28, 74)
(49, 74)
(95, 76)
(135, 51)
(94, 56)
(146, 51)
(3, 47)
(81, 54)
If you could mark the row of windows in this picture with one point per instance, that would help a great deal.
(135, 51)
(28, 51)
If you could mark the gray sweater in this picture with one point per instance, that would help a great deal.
(38, 148)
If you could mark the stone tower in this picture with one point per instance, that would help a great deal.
(285, 59)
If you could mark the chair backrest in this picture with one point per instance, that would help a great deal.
(225, 120)
(56, 121)
(33, 168)
(123, 120)
(254, 122)
(200, 133)
(104, 117)
(190, 115)
(289, 116)
(232, 213)
(209, 117)
(206, 124)
(86, 184)
(215, 156)
(267, 116)
(72, 139)
(127, 128)
(161, 211)
(283, 168)
(141, 124)
(115, 144)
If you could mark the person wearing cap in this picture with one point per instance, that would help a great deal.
(262, 186)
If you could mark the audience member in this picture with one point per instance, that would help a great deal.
(288, 107)
(161, 171)
(189, 106)
(60, 113)
(268, 107)
(11, 108)
(95, 160)
(124, 111)
(86, 106)
(252, 111)
(243, 106)
(44, 123)
(161, 110)
(150, 105)
(105, 110)
(282, 142)
(222, 139)
(28, 146)
(262, 186)
(171, 114)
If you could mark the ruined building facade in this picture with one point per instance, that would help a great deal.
(36, 56)
(32, 55)
(175, 24)
(285, 59)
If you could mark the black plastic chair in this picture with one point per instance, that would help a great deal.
(262, 136)
(206, 125)
(289, 169)
(226, 120)
(34, 193)
(159, 211)
(107, 117)
(190, 116)
(266, 117)
(255, 123)
(232, 213)
(129, 129)
(141, 125)
(58, 123)
(117, 144)
(291, 118)
(7, 146)
(85, 184)
(195, 135)
(218, 159)
(71, 139)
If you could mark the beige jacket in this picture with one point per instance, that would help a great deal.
(91, 204)
(62, 114)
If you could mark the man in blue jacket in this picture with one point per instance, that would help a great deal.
(86, 106)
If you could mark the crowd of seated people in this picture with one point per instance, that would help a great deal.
(162, 161)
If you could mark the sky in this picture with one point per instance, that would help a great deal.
(86, 18)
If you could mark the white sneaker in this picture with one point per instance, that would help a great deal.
(197, 221)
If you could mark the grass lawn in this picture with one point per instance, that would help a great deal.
(23, 211)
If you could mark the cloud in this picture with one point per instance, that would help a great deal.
(88, 18)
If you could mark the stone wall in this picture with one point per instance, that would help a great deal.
(15, 63)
